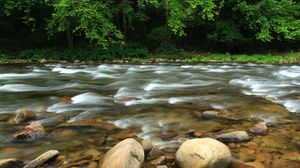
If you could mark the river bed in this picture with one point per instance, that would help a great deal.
(156, 102)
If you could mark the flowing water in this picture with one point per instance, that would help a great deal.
(154, 101)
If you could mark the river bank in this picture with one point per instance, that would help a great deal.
(284, 58)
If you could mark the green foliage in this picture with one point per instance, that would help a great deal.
(178, 12)
(227, 32)
(129, 28)
(272, 19)
(91, 18)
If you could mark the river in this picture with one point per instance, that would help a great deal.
(153, 101)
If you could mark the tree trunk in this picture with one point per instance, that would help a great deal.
(124, 23)
(70, 40)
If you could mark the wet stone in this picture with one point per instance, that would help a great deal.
(203, 152)
(126, 154)
(122, 136)
(24, 115)
(147, 145)
(259, 128)
(167, 136)
(255, 164)
(159, 161)
(235, 137)
(83, 123)
(247, 154)
(45, 157)
(31, 132)
(240, 165)
(11, 163)
(154, 153)
(162, 166)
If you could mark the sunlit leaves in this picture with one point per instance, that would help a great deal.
(90, 18)
(272, 19)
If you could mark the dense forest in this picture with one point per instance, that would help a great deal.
(143, 26)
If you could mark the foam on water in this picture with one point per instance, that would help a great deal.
(292, 105)
(19, 76)
(158, 86)
(89, 98)
(32, 88)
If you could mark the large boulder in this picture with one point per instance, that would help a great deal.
(203, 153)
(126, 154)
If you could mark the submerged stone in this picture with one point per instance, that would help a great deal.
(259, 128)
(31, 132)
(237, 136)
(24, 115)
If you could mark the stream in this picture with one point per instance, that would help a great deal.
(156, 102)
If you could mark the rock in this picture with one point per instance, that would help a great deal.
(45, 157)
(154, 153)
(4, 117)
(122, 136)
(43, 61)
(126, 154)
(210, 114)
(255, 164)
(281, 163)
(193, 133)
(215, 114)
(264, 158)
(237, 136)
(162, 166)
(247, 154)
(167, 135)
(31, 132)
(83, 123)
(147, 145)
(291, 156)
(24, 115)
(240, 165)
(203, 153)
(158, 161)
(11, 163)
(259, 128)
(65, 99)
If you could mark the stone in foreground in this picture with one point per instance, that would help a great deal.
(39, 161)
(126, 154)
(203, 153)
(11, 163)
(147, 145)
(234, 137)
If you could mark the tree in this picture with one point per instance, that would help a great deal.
(90, 18)
(179, 12)
(272, 19)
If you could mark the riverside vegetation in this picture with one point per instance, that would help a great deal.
(134, 29)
